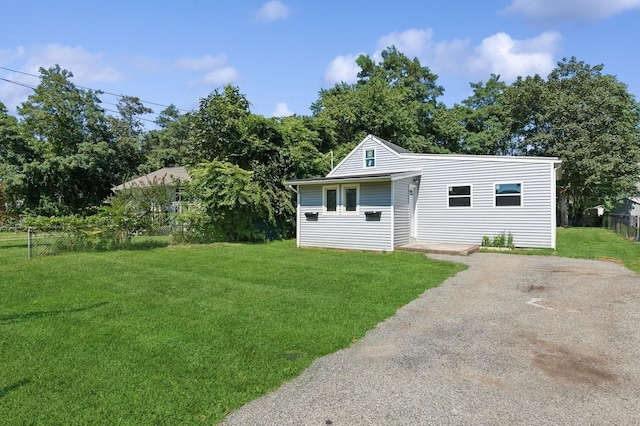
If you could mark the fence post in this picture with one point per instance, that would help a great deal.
(637, 228)
(29, 242)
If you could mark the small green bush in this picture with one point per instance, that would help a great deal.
(503, 240)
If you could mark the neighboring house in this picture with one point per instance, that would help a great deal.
(629, 206)
(382, 196)
(169, 176)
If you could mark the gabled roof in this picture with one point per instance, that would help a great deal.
(166, 175)
(393, 146)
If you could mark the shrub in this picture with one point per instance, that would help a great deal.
(502, 240)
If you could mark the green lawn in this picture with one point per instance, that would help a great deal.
(593, 243)
(182, 334)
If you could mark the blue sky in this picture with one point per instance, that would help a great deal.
(280, 53)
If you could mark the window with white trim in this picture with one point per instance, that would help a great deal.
(459, 196)
(330, 199)
(370, 158)
(508, 194)
(350, 198)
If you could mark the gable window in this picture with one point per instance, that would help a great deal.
(508, 194)
(460, 196)
(330, 199)
(370, 158)
(351, 197)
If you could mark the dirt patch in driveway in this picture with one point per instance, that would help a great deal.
(511, 340)
(564, 363)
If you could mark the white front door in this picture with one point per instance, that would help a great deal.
(413, 198)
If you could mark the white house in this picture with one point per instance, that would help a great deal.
(382, 196)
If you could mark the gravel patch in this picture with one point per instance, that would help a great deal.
(512, 340)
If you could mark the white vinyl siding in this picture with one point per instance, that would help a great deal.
(387, 161)
(348, 230)
(401, 231)
(532, 224)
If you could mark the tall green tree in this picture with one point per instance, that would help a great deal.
(72, 165)
(15, 152)
(168, 145)
(236, 207)
(128, 133)
(217, 130)
(481, 124)
(589, 120)
(395, 99)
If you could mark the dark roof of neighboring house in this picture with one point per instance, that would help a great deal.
(166, 175)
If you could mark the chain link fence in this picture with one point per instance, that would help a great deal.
(624, 225)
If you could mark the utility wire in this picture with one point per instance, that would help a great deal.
(29, 86)
(82, 87)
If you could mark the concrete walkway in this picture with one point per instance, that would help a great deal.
(440, 248)
(512, 340)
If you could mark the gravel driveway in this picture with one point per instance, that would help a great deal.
(514, 339)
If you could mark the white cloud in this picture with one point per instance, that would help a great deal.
(87, 68)
(501, 54)
(553, 11)
(214, 70)
(413, 43)
(272, 11)
(219, 77)
(9, 55)
(202, 63)
(342, 68)
(281, 110)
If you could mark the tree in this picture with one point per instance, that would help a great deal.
(167, 146)
(128, 133)
(590, 121)
(235, 205)
(71, 166)
(396, 99)
(14, 154)
(217, 127)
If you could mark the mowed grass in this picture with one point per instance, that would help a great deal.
(183, 334)
(591, 243)
(598, 243)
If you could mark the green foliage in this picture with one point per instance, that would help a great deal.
(394, 99)
(74, 233)
(166, 147)
(591, 122)
(481, 125)
(62, 162)
(131, 211)
(237, 207)
(501, 240)
(183, 335)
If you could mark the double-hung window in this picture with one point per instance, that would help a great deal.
(508, 194)
(459, 196)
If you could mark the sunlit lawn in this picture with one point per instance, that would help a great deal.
(593, 243)
(182, 335)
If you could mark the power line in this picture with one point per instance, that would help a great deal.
(82, 87)
(30, 86)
